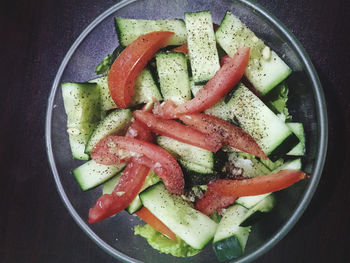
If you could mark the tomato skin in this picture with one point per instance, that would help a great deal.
(225, 131)
(131, 180)
(126, 190)
(140, 131)
(257, 185)
(181, 49)
(146, 153)
(178, 131)
(170, 180)
(212, 201)
(224, 60)
(215, 89)
(154, 222)
(129, 64)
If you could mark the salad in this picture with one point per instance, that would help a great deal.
(187, 126)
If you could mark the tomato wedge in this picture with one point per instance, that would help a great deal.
(224, 60)
(257, 185)
(212, 201)
(215, 89)
(225, 131)
(154, 222)
(126, 190)
(143, 152)
(178, 131)
(140, 131)
(181, 49)
(129, 64)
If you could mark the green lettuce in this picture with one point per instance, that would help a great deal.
(278, 98)
(104, 66)
(163, 244)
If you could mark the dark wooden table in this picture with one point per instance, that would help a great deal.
(34, 224)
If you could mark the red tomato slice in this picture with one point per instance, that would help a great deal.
(129, 182)
(257, 185)
(212, 201)
(215, 27)
(181, 49)
(224, 60)
(215, 89)
(140, 131)
(178, 131)
(126, 190)
(159, 159)
(129, 64)
(158, 168)
(154, 222)
(228, 133)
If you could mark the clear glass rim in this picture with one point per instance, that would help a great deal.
(321, 114)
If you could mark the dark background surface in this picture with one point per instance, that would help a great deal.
(34, 224)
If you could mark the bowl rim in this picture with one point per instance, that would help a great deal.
(321, 115)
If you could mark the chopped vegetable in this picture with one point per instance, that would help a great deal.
(177, 215)
(215, 89)
(165, 245)
(153, 221)
(143, 152)
(226, 132)
(126, 190)
(257, 185)
(132, 60)
(182, 49)
(140, 131)
(178, 131)
(212, 201)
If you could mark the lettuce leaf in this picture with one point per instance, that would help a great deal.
(278, 98)
(104, 66)
(163, 244)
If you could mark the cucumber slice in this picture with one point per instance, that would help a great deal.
(145, 88)
(92, 174)
(250, 201)
(230, 238)
(173, 76)
(107, 102)
(151, 179)
(129, 30)
(197, 164)
(265, 68)
(251, 166)
(232, 233)
(272, 165)
(195, 228)
(221, 109)
(81, 102)
(298, 129)
(78, 136)
(201, 43)
(272, 134)
(266, 204)
(292, 164)
(234, 246)
(115, 123)
(82, 106)
(188, 153)
(196, 174)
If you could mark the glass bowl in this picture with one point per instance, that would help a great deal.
(306, 103)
